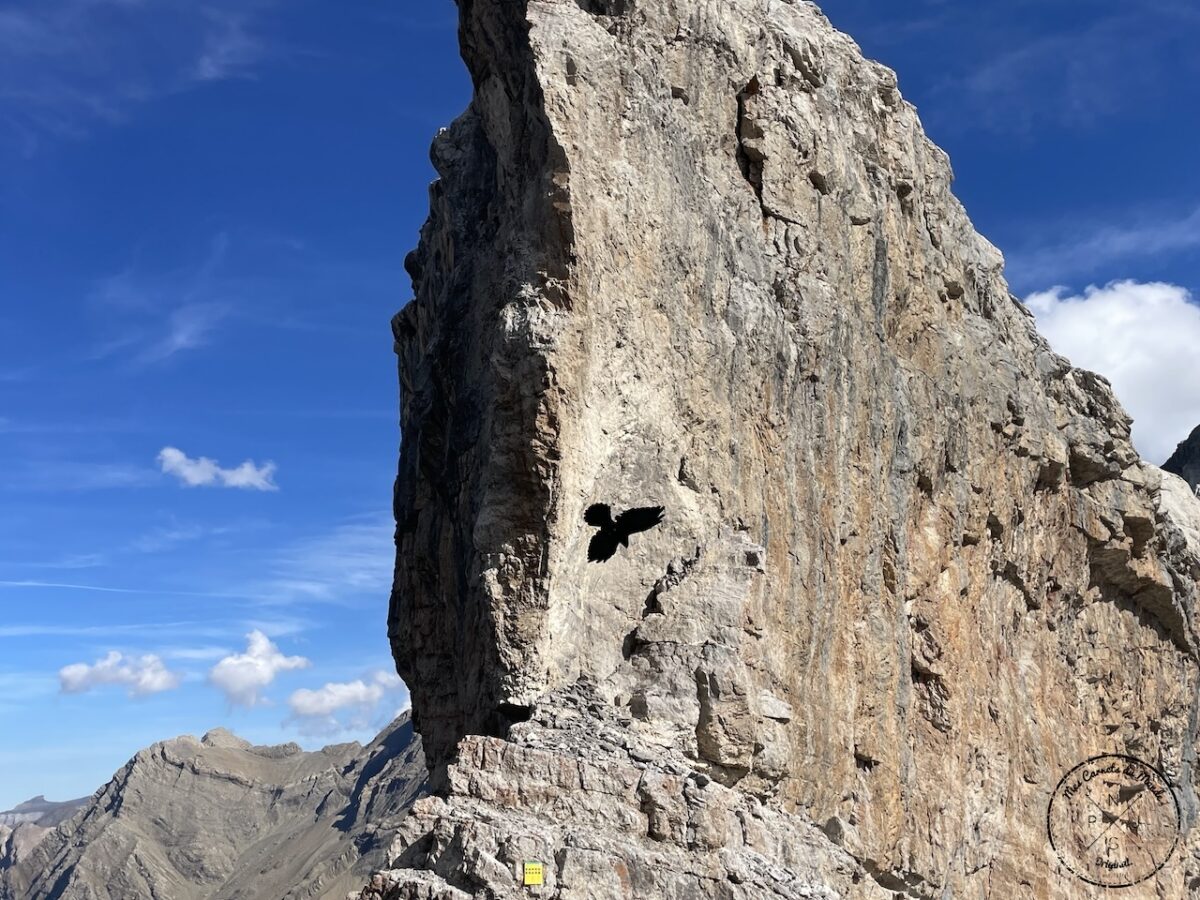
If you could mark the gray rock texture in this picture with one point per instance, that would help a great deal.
(218, 819)
(610, 815)
(912, 571)
(1185, 461)
(23, 827)
(18, 841)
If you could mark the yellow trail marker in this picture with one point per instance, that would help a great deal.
(535, 873)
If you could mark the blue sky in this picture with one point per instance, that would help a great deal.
(204, 210)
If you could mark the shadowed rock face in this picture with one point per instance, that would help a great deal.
(912, 571)
(1185, 461)
(23, 827)
(218, 818)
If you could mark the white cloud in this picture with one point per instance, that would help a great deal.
(342, 706)
(242, 676)
(141, 674)
(205, 472)
(335, 696)
(1142, 337)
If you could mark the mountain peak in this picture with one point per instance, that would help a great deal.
(219, 817)
(222, 737)
(1185, 461)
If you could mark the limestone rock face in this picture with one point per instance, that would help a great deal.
(1185, 461)
(18, 841)
(218, 818)
(912, 571)
(610, 816)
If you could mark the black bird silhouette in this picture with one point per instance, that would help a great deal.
(616, 533)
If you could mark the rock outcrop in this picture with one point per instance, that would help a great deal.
(609, 814)
(1185, 461)
(702, 255)
(18, 841)
(218, 818)
(23, 827)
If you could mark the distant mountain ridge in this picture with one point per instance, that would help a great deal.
(219, 818)
(40, 811)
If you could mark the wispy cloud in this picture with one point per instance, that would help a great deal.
(205, 472)
(149, 629)
(69, 66)
(1051, 262)
(142, 675)
(195, 654)
(341, 566)
(187, 328)
(17, 687)
(167, 537)
(17, 376)
(67, 475)
(70, 562)
(353, 559)
(150, 317)
(1094, 65)
(229, 49)
(243, 676)
(108, 589)
(157, 631)
(75, 427)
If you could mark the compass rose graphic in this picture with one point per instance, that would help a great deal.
(1114, 820)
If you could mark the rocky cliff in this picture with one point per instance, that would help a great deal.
(1185, 461)
(23, 827)
(218, 819)
(912, 572)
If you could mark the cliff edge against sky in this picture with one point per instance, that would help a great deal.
(912, 571)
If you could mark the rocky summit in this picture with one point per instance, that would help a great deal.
(220, 819)
(1185, 461)
(911, 572)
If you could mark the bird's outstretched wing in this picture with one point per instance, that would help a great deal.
(603, 545)
(641, 519)
(598, 514)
